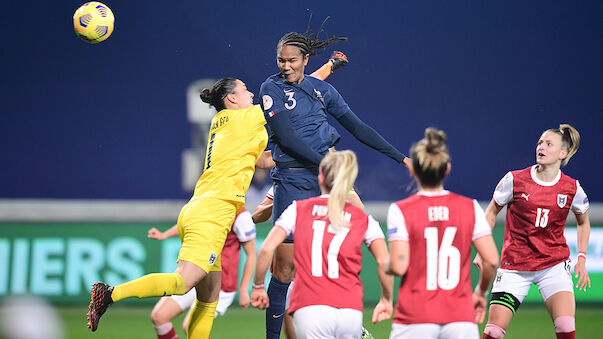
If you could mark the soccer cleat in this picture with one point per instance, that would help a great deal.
(339, 59)
(366, 334)
(100, 299)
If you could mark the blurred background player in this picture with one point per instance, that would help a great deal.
(435, 228)
(326, 300)
(237, 139)
(538, 200)
(242, 235)
(296, 107)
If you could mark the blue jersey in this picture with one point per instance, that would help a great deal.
(306, 105)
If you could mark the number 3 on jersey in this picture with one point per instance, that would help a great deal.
(318, 226)
(443, 264)
(290, 104)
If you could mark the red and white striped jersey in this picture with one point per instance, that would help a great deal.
(536, 216)
(327, 259)
(439, 228)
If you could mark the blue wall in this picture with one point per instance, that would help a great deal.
(109, 120)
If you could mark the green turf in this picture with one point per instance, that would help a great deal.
(133, 322)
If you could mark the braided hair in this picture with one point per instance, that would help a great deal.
(309, 42)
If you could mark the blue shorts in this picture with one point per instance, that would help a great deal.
(292, 184)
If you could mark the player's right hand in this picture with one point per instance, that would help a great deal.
(338, 59)
(259, 298)
(155, 234)
(479, 307)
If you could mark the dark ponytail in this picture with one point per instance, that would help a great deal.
(215, 96)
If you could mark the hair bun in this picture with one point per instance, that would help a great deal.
(205, 95)
(435, 140)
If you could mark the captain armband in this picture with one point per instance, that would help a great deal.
(505, 299)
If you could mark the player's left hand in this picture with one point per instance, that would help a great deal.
(338, 59)
(259, 299)
(479, 307)
(383, 311)
(582, 275)
(244, 298)
(407, 162)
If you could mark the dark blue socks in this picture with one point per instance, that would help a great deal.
(277, 294)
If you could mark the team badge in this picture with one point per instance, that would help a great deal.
(267, 102)
(212, 258)
(561, 200)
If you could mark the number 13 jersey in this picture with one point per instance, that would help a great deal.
(439, 228)
(327, 260)
(536, 216)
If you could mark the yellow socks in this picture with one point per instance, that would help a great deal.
(150, 285)
(201, 320)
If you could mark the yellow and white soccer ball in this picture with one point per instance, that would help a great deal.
(93, 22)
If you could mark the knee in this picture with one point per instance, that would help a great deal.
(494, 331)
(158, 317)
(564, 324)
(284, 270)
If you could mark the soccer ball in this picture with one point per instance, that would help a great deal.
(93, 22)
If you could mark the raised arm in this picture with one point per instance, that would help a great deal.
(154, 233)
(249, 248)
(368, 136)
(384, 308)
(583, 231)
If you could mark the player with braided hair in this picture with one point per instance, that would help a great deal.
(296, 107)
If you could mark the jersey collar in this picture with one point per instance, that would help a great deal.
(433, 194)
(544, 183)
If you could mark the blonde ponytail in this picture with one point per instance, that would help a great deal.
(339, 170)
(570, 139)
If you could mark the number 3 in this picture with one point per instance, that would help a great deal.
(290, 98)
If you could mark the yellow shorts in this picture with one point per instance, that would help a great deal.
(203, 225)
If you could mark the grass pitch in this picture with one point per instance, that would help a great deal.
(132, 322)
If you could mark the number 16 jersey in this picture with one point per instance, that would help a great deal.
(439, 228)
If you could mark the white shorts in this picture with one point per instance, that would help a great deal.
(326, 322)
(551, 280)
(455, 330)
(187, 300)
(224, 301)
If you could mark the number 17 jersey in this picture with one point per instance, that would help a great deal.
(439, 228)
(327, 260)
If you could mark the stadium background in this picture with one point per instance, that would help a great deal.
(86, 130)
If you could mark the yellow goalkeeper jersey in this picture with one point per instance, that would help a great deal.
(236, 140)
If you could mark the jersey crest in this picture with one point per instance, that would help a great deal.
(561, 200)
